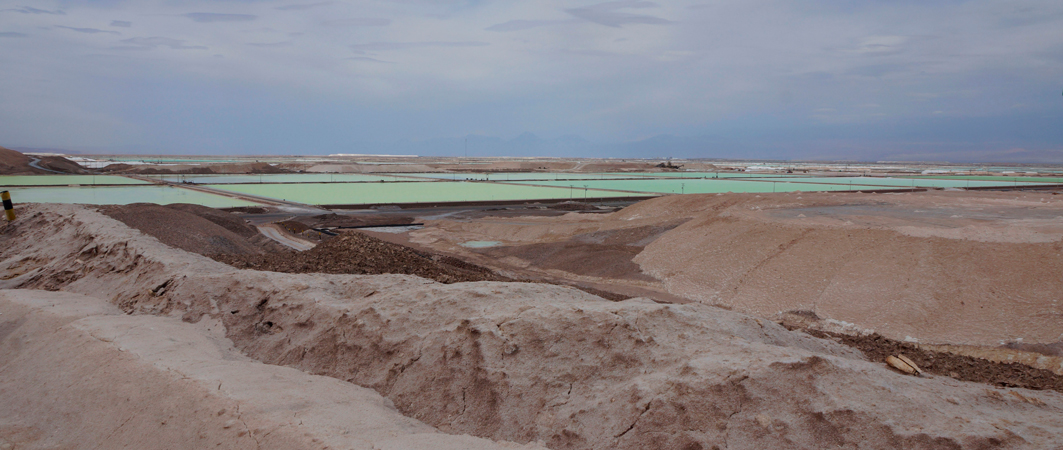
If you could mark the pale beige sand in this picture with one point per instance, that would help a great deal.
(525, 362)
(976, 268)
(77, 373)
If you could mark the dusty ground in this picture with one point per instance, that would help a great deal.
(974, 268)
(194, 228)
(519, 361)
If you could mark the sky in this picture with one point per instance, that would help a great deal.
(868, 80)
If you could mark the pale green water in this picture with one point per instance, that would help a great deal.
(480, 244)
(122, 195)
(281, 178)
(64, 180)
(1000, 178)
(374, 193)
(516, 176)
(702, 175)
(905, 182)
(698, 186)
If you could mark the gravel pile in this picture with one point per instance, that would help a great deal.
(357, 253)
(193, 228)
(876, 348)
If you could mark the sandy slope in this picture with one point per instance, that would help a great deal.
(976, 268)
(77, 373)
(525, 362)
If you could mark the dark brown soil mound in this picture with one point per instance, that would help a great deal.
(346, 220)
(1053, 349)
(223, 219)
(604, 254)
(14, 163)
(247, 210)
(293, 227)
(61, 164)
(193, 228)
(357, 253)
(572, 206)
(256, 167)
(965, 368)
(596, 260)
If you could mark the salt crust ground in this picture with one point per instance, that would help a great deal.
(973, 268)
(526, 362)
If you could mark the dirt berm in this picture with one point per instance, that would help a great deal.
(103, 379)
(525, 362)
(972, 268)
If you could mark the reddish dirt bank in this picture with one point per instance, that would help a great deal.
(526, 362)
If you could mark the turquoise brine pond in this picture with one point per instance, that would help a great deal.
(122, 195)
(415, 192)
(480, 244)
(700, 186)
(281, 178)
(64, 180)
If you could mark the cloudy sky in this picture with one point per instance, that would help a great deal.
(951, 80)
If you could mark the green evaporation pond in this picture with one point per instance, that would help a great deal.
(701, 175)
(390, 193)
(906, 182)
(700, 186)
(280, 178)
(480, 244)
(64, 180)
(122, 195)
(515, 176)
(1012, 180)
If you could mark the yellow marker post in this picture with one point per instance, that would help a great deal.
(9, 209)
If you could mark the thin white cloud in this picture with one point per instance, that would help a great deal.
(386, 46)
(367, 59)
(519, 25)
(32, 10)
(88, 30)
(302, 6)
(270, 44)
(121, 23)
(204, 17)
(151, 43)
(358, 22)
(609, 13)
